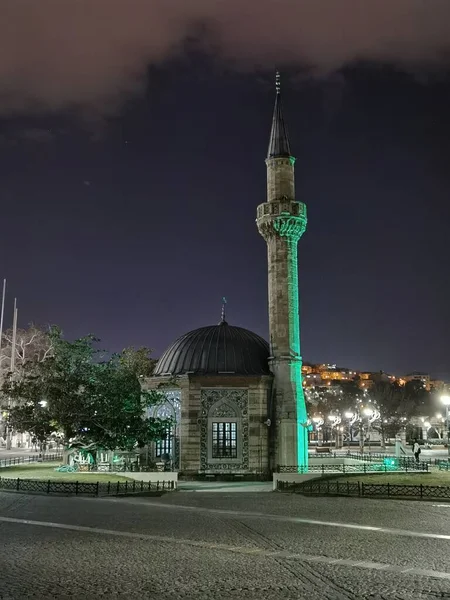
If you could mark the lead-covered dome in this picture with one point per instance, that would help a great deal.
(214, 350)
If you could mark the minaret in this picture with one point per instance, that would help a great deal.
(281, 221)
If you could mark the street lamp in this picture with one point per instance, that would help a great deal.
(319, 422)
(335, 420)
(349, 415)
(446, 402)
(368, 412)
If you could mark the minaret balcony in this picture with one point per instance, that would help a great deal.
(281, 207)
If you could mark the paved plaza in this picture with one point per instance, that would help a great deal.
(200, 545)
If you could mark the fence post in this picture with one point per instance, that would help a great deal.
(118, 487)
(76, 488)
(343, 468)
(337, 487)
(388, 489)
(134, 485)
(323, 469)
(109, 487)
(18, 484)
(48, 486)
(348, 488)
(421, 491)
(96, 490)
(328, 486)
(364, 468)
(142, 485)
(126, 486)
(362, 488)
(359, 488)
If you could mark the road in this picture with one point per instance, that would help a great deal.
(223, 545)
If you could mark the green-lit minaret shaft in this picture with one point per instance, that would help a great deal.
(281, 221)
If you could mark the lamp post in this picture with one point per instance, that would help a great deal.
(446, 402)
(349, 415)
(335, 420)
(368, 412)
(318, 421)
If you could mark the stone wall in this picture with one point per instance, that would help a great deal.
(252, 395)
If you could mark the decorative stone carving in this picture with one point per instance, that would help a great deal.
(224, 411)
(225, 399)
(283, 218)
(292, 227)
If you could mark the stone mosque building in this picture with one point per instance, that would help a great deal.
(236, 400)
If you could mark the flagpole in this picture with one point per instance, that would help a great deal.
(1, 321)
(12, 368)
(14, 337)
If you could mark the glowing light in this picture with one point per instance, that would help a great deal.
(348, 415)
(445, 400)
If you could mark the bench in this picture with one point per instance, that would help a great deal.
(323, 450)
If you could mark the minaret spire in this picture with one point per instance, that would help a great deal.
(279, 139)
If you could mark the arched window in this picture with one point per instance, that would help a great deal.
(170, 409)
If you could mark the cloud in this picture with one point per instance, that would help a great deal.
(56, 54)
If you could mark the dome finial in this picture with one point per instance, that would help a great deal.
(222, 316)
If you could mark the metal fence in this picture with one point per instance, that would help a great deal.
(109, 488)
(365, 467)
(443, 465)
(360, 489)
(24, 460)
(372, 457)
(379, 457)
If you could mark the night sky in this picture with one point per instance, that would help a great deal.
(130, 175)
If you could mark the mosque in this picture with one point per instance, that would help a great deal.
(237, 401)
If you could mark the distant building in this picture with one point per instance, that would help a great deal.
(418, 376)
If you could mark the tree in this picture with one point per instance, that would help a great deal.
(33, 418)
(138, 361)
(395, 405)
(32, 345)
(90, 398)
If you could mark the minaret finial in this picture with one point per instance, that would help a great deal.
(277, 81)
(222, 316)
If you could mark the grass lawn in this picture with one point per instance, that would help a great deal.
(47, 471)
(431, 478)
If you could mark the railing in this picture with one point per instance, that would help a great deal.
(360, 489)
(379, 456)
(109, 488)
(385, 467)
(123, 467)
(443, 465)
(23, 460)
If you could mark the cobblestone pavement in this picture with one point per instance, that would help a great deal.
(211, 546)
